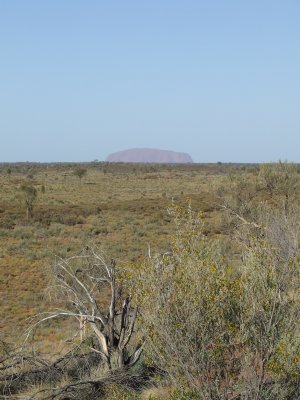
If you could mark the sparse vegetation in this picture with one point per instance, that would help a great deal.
(213, 283)
(80, 172)
(28, 197)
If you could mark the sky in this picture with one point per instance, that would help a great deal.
(218, 79)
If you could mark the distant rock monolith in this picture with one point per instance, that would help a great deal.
(146, 155)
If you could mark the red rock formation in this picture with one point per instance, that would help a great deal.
(150, 156)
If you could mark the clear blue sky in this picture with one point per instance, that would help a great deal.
(219, 79)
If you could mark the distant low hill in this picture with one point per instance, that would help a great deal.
(145, 155)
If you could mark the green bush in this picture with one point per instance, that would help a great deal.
(114, 392)
(220, 328)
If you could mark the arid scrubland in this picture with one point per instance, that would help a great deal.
(120, 209)
(200, 301)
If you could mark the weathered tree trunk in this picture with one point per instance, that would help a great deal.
(112, 327)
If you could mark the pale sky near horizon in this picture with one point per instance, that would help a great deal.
(218, 79)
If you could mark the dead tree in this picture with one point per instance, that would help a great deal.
(85, 282)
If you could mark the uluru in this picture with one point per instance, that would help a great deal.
(147, 155)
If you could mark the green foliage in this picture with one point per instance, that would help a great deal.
(190, 300)
(115, 392)
(179, 394)
(28, 197)
(221, 328)
(80, 172)
(281, 181)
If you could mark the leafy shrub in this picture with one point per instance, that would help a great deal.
(226, 329)
(114, 392)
